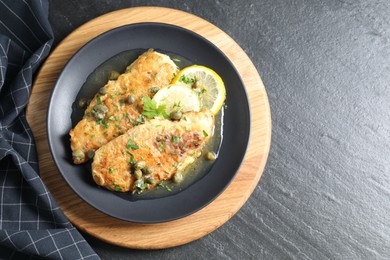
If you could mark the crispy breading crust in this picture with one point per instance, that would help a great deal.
(166, 146)
(150, 70)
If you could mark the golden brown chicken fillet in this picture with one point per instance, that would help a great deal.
(154, 151)
(118, 105)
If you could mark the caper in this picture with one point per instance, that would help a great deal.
(100, 108)
(138, 174)
(140, 165)
(139, 184)
(98, 115)
(78, 155)
(149, 179)
(130, 99)
(175, 115)
(211, 156)
(113, 75)
(91, 154)
(103, 90)
(196, 84)
(154, 90)
(178, 177)
(99, 111)
(147, 170)
(197, 154)
(82, 102)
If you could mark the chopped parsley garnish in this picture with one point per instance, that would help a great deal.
(154, 90)
(131, 145)
(98, 100)
(105, 124)
(177, 105)
(111, 170)
(187, 80)
(175, 165)
(140, 119)
(134, 123)
(122, 102)
(205, 133)
(161, 184)
(150, 109)
(140, 184)
(176, 139)
(112, 118)
(131, 159)
(118, 188)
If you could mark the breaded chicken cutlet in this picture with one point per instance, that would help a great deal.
(155, 151)
(118, 105)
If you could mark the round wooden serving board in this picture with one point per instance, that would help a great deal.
(169, 234)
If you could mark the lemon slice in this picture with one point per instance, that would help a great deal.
(177, 97)
(206, 83)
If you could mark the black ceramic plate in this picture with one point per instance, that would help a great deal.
(166, 38)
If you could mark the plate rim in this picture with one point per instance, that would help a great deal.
(98, 38)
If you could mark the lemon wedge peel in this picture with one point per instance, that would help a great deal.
(206, 83)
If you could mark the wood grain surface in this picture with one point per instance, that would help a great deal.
(174, 233)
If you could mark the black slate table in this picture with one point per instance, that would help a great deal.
(325, 192)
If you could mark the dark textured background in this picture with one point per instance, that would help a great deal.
(325, 192)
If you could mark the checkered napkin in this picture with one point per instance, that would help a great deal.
(31, 224)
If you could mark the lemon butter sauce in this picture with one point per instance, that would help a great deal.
(196, 170)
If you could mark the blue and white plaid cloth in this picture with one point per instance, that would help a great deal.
(31, 224)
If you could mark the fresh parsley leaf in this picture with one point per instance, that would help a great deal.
(205, 133)
(150, 109)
